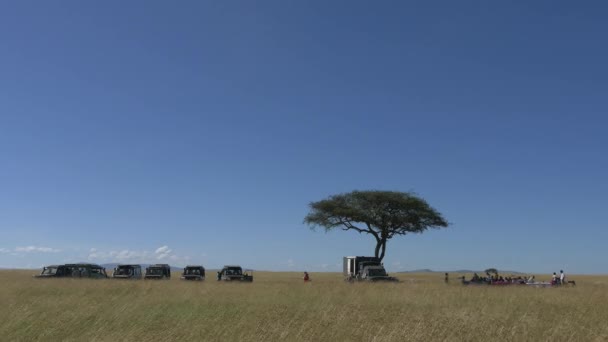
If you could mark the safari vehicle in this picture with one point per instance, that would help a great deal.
(235, 273)
(158, 271)
(73, 271)
(52, 271)
(362, 268)
(193, 273)
(127, 272)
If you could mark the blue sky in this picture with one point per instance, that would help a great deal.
(198, 132)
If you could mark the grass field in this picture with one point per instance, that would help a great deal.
(280, 307)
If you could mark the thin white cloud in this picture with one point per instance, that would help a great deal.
(122, 256)
(163, 253)
(4, 250)
(93, 256)
(126, 255)
(35, 249)
(162, 250)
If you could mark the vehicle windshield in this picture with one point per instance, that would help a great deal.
(124, 271)
(77, 271)
(376, 272)
(192, 271)
(155, 271)
(97, 271)
(49, 270)
(233, 271)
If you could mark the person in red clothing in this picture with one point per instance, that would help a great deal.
(306, 277)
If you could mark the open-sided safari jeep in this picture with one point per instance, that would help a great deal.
(363, 268)
(193, 273)
(127, 272)
(158, 271)
(235, 273)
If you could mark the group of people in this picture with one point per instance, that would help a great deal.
(497, 279)
(555, 280)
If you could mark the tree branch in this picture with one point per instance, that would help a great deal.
(371, 231)
(349, 226)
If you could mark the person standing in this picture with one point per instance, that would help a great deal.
(562, 277)
(446, 279)
(306, 277)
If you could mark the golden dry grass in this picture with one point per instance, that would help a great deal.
(279, 307)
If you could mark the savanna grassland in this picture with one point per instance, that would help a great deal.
(280, 307)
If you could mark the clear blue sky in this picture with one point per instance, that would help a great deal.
(199, 131)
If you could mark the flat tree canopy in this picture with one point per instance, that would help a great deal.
(382, 214)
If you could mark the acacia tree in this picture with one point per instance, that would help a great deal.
(381, 214)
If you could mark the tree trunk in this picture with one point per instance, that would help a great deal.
(378, 247)
(383, 251)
